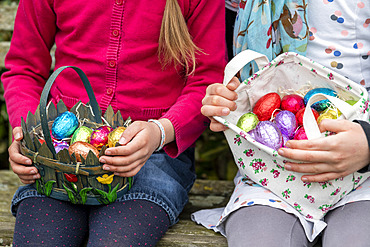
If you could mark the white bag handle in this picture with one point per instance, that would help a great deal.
(309, 122)
(240, 60)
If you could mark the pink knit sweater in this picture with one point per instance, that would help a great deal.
(115, 43)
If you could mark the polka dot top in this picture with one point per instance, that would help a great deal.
(340, 37)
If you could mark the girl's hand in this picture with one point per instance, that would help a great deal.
(21, 165)
(138, 141)
(330, 157)
(219, 101)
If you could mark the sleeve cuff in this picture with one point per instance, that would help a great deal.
(366, 127)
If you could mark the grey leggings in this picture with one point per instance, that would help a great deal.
(260, 225)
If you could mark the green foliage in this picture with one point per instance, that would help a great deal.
(213, 157)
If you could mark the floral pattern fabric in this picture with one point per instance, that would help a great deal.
(339, 38)
(270, 28)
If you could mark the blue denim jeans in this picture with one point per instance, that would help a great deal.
(163, 180)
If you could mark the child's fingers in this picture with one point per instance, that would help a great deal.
(304, 155)
(131, 173)
(221, 91)
(219, 101)
(210, 110)
(217, 126)
(17, 133)
(15, 155)
(323, 177)
(320, 144)
(313, 168)
(233, 84)
(335, 125)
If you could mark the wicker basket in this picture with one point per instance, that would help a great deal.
(62, 177)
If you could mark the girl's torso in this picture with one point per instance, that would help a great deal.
(340, 37)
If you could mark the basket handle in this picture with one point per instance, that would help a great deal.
(242, 59)
(44, 99)
(309, 122)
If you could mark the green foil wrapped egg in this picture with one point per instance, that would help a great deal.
(351, 102)
(248, 121)
(82, 134)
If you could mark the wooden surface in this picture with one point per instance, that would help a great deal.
(204, 194)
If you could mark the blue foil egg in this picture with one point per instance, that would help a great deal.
(320, 105)
(64, 125)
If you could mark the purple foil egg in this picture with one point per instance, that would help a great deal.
(286, 122)
(285, 139)
(60, 146)
(252, 133)
(269, 135)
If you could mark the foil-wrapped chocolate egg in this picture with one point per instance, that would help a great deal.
(82, 148)
(64, 125)
(300, 113)
(335, 112)
(269, 135)
(252, 133)
(300, 134)
(60, 145)
(326, 115)
(285, 139)
(82, 134)
(266, 105)
(99, 137)
(351, 102)
(248, 121)
(115, 135)
(320, 105)
(286, 122)
(292, 103)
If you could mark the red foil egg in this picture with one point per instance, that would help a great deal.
(99, 137)
(292, 103)
(300, 134)
(266, 105)
(300, 113)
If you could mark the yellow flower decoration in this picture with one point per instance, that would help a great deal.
(105, 179)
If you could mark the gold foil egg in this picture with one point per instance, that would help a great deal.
(326, 115)
(335, 112)
(114, 136)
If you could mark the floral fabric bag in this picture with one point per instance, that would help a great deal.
(290, 72)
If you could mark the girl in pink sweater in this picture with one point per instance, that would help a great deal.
(150, 61)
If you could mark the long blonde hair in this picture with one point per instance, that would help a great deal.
(175, 42)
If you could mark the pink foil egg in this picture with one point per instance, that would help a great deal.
(286, 122)
(99, 137)
(300, 134)
(269, 135)
(292, 103)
